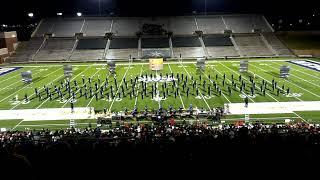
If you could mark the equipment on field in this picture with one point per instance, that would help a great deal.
(156, 64)
(201, 63)
(26, 77)
(244, 66)
(112, 67)
(284, 71)
(67, 70)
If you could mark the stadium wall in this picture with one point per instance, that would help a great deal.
(8, 40)
(3, 54)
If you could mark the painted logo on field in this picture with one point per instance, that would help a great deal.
(6, 70)
(307, 64)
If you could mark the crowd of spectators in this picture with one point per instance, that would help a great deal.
(151, 147)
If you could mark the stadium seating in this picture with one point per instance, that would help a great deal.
(56, 49)
(157, 42)
(124, 43)
(182, 25)
(122, 54)
(163, 22)
(96, 27)
(252, 45)
(26, 50)
(67, 28)
(185, 41)
(45, 26)
(86, 55)
(187, 47)
(211, 24)
(277, 45)
(245, 42)
(217, 40)
(246, 23)
(91, 43)
(222, 51)
(122, 48)
(126, 27)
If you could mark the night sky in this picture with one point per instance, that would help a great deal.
(17, 9)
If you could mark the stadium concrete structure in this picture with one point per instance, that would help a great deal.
(119, 38)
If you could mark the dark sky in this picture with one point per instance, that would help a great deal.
(13, 11)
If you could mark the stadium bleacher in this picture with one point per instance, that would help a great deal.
(211, 24)
(122, 48)
(96, 27)
(187, 46)
(87, 55)
(182, 25)
(124, 43)
(252, 37)
(277, 45)
(217, 40)
(252, 45)
(126, 27)
(55, 49)
(222, 51)
(246, 23)
(156, 42)
(67, 28)
(27, 49)
(91, 43)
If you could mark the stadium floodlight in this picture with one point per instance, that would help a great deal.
(30, 15)
(59, 14)
(79, 14)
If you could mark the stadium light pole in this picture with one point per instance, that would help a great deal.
(205, 7)
(30, 15)
(99, 7)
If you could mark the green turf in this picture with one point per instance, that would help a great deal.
(9, 124)
(303, 82)
(310, 116)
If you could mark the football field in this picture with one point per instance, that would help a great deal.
(179, 84)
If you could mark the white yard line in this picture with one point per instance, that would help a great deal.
(15, 75)
(158, 93)
(146, 63)
(17, 82)
(212, 82)
(179, 93)
(26, 86)
(317, 77)
(34, 93)
(135, 102)
(271, 118)
(301, 118)
(99, 89)
(299, 78)
(120, 85)
(53, 81)
(292, 83)
(200, 93)
(230, 81)
(17, 125)
(41, 125)
(271, 83)
(79, 89)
